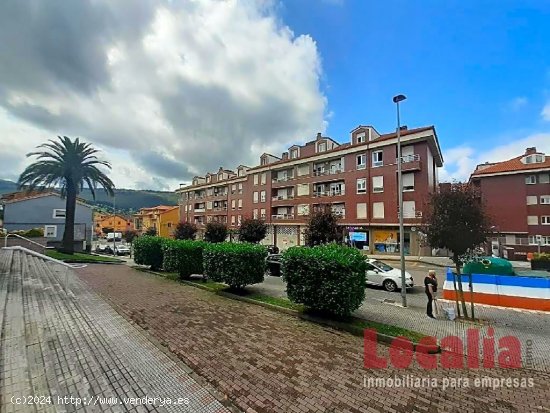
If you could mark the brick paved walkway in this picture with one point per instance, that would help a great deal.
(273, 362)
(76, 345)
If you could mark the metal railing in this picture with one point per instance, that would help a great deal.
(283, 216)
(328, 193)
(30, 241)
(283, 197)
(408, 158)
(317, 172)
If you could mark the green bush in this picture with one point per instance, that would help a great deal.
(30, 233)
(148, 250)
(540, 257)
(328, 278)
(183, 257)
(236, 265)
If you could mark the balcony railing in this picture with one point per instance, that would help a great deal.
(340, 213)
(408, 158)
(328, 193)
(323, 172)
(408, 215)
(282, 197)
(220, 208)
(283, 179)
(282, 216)
(199, 210)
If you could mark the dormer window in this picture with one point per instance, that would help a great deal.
(361, 138)
(322, 147)
(534, 158)
(220, 177)
(294, 153)
(208, 179)
(263, 160)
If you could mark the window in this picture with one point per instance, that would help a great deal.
(233, 220)
(409, 209)
(262, 196)
(169, 225)
(262, 213)
(531, 179)
(59, 213)
(545, 240)
(361, 161)
(208, 179)
(50, 231)
(239, 219)
(255, 214)
(263, 160)
(377, 159)
(303, 209)
(545, 220)
(240, 204)
(545, 199)
(302, 189)
(544, 178)
(361, 138)
(255, 197)
(361, 185)
(532, 220)
(263, 178)
(533, 240)
(377, 184)
(303, 169)
(378, 210)
(408, 181)
(233, 204)
(322, 147)
(255, 179)
(209, 205)
(294, 153)
(233, 188)
(531, 200)
(240, 188)
(361, 211)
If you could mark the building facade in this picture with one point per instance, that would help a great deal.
(358, 180)
(516, 194)
(118, 223)
(46, 210)
(162, 218)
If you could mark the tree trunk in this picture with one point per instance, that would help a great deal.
(456, 296)
(460, 289)
(471, 285)
(67, 245)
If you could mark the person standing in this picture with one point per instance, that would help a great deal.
(430, 282)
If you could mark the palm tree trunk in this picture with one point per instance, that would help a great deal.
(67, 245)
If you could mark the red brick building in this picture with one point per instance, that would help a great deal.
(357, 179)
(517, 197)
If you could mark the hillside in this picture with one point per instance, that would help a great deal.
(127, 200)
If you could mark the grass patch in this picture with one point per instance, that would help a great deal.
(388, 329)
(278, 301)
(210, 285)
(78, 257)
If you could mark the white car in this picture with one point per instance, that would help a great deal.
(122, 250)
(380, 273)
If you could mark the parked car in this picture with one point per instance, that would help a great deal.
(272, 249)
(381, 274)
(103, 249)
(122, 250)
(273, 262)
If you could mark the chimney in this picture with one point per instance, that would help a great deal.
(285, 156)
(319, 136)
(404, 127)
(530, 151)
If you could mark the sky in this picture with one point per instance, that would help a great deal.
(172, 89)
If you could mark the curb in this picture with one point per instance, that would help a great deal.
(337, 325)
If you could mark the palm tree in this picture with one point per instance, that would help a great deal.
(67, 165)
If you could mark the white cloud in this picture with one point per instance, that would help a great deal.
(168, 91)
(461, 161)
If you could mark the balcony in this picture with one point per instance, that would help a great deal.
(328, 193)
(282, 216)
(222, 208)
(197, 210)
(325, 172)
(282, 197)
(410, 163)
(411, 215)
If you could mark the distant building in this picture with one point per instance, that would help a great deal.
(162, 217)
(119, 223)
(46, 210)
(516, 193)
(357, 179)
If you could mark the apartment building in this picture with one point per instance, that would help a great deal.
(516, 194)
(118, 223)
(357, 179)
(163, 218)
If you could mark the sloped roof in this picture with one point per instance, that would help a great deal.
(512, 165)
(26, 195)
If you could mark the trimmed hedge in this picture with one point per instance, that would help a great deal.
(148, 250)
(540, 256)
(236, 265)
(183, 257)
(328, 278)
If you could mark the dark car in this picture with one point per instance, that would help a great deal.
(273, 262)
(272, 249)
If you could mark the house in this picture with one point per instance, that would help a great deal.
(46, 210)
(118, 223)
(162, 217)
(356, 179)
(516, 194)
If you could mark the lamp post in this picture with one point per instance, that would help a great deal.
(114, 224)
(396, 100)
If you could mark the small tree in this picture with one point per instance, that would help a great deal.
(129, 236)
(252, 230)
(152, 231)
(322, 227)
(215, 232)
(456, 220)
(106, 230)
(185, 230)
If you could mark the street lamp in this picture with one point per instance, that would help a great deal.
(396, 100)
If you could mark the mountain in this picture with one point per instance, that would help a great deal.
(127, 200)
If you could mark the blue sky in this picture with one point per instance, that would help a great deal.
(478, 70)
